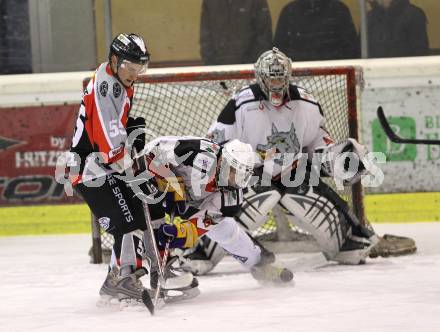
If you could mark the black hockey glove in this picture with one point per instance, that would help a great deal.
(133, 124)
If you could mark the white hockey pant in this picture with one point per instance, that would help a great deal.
(236, 241)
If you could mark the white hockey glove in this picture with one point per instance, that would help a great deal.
(344, 160)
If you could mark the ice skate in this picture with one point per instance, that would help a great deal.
(108, 288)
(108, 296)
(270, 274)
(179, 284)
(130, 286)
(266, 273)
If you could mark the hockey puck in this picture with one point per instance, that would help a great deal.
(286, 275)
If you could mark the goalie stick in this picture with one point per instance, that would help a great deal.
(397, 139)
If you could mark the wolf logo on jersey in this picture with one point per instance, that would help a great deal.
(217, 135)
(281, 142)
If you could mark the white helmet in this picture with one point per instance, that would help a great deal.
(272, 70)
(237, 164)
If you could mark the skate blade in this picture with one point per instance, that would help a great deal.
(177, 282)
(276, 284)
(131, 305)
(107, 301)
(111, 302)
(172, 296)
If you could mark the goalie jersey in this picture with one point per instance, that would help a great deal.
(294, 127)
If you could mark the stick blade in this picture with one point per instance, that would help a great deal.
(146, 299)
(386, 126)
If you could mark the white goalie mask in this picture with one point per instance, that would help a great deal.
(272, 70)
(237, 163)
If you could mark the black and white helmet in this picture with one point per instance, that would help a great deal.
(272, 71)
(130, 48)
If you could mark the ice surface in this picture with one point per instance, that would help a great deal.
(47, 284)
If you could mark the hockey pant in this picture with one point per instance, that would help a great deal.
(121, 214)
(235, 241)
(208, 252)
(223, 233)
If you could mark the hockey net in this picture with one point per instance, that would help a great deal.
(185, 101)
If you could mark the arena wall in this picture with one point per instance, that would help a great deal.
(39, 113)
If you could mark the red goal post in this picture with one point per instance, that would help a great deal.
(185, 101)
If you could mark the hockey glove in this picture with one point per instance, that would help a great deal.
(133, 124)
(180, 235)
(344, 160)
(175, 197)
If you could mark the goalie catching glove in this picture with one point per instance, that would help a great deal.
(344, 160)
(181, 235)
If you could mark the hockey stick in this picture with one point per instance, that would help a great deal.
(162, 265)
(146, 298)
(397, 139)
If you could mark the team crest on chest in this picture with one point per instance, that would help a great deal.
(280, 142)
(117, 90)
(103, 88)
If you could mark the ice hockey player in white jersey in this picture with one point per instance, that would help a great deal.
(284, 123)
(210, 178)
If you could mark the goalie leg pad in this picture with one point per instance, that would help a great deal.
(357, 229)
(318, 216)
(327, 217)
(256, 206)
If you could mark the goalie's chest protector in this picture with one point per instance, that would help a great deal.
(285, 129)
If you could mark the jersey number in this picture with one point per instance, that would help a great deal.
(115, 129)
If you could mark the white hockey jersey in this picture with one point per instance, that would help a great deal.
(273, 132)
(194, 159)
